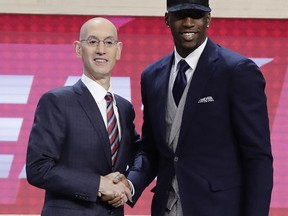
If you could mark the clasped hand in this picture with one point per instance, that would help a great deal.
(114, 189)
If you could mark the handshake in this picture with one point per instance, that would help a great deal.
(115, 189)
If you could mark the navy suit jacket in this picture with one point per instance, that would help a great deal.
(69, 150)
(223, 161)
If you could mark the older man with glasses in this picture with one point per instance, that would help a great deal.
(83, 135)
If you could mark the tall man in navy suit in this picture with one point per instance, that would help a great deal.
(210, 147)
(69, 151)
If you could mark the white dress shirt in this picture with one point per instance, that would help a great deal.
(99, 93)
(192, 60)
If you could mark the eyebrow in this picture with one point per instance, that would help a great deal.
(109, 37)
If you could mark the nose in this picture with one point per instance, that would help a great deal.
(100, 48)
(188, 21)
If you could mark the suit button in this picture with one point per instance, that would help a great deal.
(176, 159)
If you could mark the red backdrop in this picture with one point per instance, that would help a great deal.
(37, 55)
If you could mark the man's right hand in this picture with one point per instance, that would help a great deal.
(115, 194)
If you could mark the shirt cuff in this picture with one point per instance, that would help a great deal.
(131, 187)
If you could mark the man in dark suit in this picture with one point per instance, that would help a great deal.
(206, 134)
(69, 152)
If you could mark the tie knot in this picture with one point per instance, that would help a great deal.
(108, 97)
(183, 66)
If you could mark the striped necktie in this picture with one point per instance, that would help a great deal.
(112, 127)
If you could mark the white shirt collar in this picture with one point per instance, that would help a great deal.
(97, 91)
(193, 58)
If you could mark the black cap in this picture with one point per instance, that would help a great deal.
(177, 5)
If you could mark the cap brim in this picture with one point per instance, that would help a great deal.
(188, 7)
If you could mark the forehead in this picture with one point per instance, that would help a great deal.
(99, 29)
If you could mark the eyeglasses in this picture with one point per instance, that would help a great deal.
(94, 42)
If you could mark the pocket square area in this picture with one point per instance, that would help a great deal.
(206, 99)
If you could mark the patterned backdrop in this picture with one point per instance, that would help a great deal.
(37, 55)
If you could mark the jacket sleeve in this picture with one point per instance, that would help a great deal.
(251, 126)
(144, 170)
(46, 141)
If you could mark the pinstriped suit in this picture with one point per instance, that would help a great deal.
(69, 149)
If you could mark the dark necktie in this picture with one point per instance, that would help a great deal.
(112, 127)
(180, 81)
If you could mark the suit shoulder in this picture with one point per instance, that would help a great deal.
(125, 105)
(229, 54)
(122, 100)
(234, 61)
(231, 57)
(60, 93)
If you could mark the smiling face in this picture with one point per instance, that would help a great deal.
(95, 49)
(188, 28)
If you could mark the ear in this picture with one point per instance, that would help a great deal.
(208, 20)
(119, 50)
(77, 48)
(166, 19)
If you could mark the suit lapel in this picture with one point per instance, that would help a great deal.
(203, 72)
(161, 90)
(92, 111)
